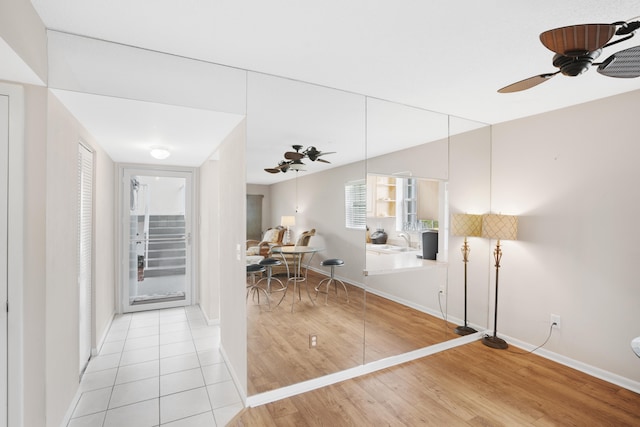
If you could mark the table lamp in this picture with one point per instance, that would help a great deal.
(287, 221)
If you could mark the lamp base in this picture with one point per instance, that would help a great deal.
(465, 330)
(494, 342)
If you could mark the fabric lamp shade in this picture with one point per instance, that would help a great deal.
(288, 221)
(500, 227)
(466, 225)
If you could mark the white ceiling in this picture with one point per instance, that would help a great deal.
(448, 57)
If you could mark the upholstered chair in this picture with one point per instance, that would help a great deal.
(272, 237)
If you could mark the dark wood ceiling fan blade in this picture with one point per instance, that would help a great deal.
(323, 161)
(574, 39)
(272, 170)
(623, 64)
(292, 155)
(527, 83)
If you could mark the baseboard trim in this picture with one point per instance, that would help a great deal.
(241, 390)
(210, 322)
(71, 408)
(599, 373)
(95, 351)
(309, 385)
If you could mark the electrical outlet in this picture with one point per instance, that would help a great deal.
(443, 289)
(556, 319)
(313, 341)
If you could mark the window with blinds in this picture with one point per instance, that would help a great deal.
(355, 204)
(85, 245)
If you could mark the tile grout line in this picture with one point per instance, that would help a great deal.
(204, 380)
(192, 321)
(104, 420)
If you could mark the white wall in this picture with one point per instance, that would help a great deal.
(572, 176)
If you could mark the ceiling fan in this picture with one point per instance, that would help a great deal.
(576, 48)
(294, 159)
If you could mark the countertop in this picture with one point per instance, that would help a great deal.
(385, 263)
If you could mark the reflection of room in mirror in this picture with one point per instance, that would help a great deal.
(395, 138)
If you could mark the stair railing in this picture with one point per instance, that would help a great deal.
(146, 225)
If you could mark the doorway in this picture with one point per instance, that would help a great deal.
(157, 242)
(254, 216)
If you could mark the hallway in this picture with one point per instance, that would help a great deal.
(158, 368)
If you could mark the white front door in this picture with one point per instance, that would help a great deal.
(156, 235)
(4, 210)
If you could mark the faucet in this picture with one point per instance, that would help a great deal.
(406, 237)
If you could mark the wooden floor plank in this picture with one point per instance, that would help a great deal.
(471, 385)
(278, 340)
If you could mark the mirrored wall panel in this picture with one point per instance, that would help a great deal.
(311, 141)
(357, 195)
(407, 214)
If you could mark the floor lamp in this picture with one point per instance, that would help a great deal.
(499, 227)
(468, 226)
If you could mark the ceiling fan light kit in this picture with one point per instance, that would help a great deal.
(576, 48)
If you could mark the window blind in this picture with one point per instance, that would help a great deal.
(85, 249)
(355, 203)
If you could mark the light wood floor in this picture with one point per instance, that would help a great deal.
(471, 385)
(278, 340)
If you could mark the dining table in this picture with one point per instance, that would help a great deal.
(298, 271)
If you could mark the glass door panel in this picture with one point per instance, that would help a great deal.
(158, 237)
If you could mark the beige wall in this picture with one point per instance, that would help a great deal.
(34, 286)
(104, 275)
(470, 192)
(209, 274)
(572, 176)
(62, 360)
(231, 235)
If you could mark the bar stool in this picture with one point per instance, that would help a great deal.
(333, 263)
(268, 263)
(253, 270)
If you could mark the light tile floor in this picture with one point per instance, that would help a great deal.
(158, 368)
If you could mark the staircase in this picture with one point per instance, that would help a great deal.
(167, 246)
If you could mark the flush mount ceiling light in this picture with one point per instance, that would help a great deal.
(159, 153)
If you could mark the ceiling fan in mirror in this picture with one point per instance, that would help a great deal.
(576, 48)
(293, 159)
